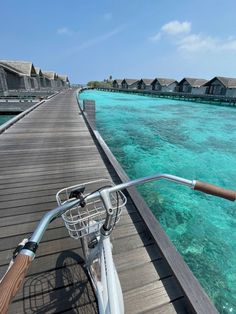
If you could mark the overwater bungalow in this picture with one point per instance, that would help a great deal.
(145, 84)
(40, 78)
(223, 86)
(3, 83)
(10, 78)
(25, 70)
(64, 80)
(50, 79)
(23, 76)
(116, 83)
(164, 85)
(129, 83)
(192, 86)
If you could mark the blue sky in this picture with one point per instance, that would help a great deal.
(90, 40)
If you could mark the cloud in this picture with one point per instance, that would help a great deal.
(64, 31)
(107, 16)
(99, 39)
(176, 28)
(173, 28)
(155, 38)
(196, 42)
(202, 43)
(229, 44)
(180, 35)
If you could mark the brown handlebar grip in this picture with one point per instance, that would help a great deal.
(12, 281)
(215, 190)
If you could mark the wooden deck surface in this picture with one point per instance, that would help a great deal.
(49, 149)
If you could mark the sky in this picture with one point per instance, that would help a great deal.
(91, 40)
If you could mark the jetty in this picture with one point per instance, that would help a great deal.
(54, 145)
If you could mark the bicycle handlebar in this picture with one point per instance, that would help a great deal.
(13, 280)
(215, 190)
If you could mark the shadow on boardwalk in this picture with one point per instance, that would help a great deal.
(67, 288)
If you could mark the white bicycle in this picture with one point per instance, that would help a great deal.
(91, 216)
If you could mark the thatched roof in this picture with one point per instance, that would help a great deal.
(130, 81)
(10, 69)
(63, 78)
(165, 81)
(24, 67)
(193, 82)
(147, 81)
(50, 75)
(228, 82)
(118, 81)
(38, 71)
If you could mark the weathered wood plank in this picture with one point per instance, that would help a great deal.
(130, 278)
(151, 295)
(178, 306)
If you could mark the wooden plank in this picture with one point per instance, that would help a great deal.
(63, 175)
(152, 272)
(151, 295)
(52, 234)
(76, 295)
(47, 286)
(139, 256)
(122, 231)
(178, 306)
(19, 218)
(28, 227)
(24, 169)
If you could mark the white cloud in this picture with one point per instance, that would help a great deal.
(97, 40)
(155, 38)
(201, 43)
(188, 42)
(173, 28)
(230, 44)
(176, 28)
(107, 16)
(64, 31)
(195, 42)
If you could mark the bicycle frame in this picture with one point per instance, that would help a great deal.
(108, 289)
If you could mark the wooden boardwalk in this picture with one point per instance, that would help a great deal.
(49, 149)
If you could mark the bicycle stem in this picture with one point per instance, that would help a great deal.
(106, 199)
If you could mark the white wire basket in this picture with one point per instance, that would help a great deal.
(82, 221)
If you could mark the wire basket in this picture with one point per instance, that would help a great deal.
(82, 221)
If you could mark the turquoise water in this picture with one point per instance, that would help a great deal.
(193, 140)
(5, 118)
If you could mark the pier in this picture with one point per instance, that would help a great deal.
(53, 146)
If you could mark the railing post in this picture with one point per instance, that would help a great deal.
(89, 108)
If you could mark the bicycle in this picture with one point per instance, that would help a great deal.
(91, 216)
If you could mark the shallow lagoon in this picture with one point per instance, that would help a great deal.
(193, 140)
(5, 118)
